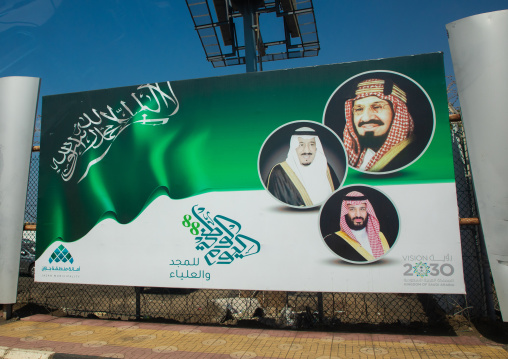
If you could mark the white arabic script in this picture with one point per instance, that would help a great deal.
(99, 129)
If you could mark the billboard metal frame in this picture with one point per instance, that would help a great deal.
(300, 32)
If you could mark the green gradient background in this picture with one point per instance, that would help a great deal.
(211, 143)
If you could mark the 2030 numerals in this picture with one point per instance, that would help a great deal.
(436, 269)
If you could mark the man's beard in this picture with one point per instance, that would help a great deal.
(370, 141)
(356, 227)
(309, 163)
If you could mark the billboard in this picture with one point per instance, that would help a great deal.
(329, 178)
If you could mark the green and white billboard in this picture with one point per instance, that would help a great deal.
(329, 178)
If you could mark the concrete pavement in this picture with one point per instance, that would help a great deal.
(45, 335)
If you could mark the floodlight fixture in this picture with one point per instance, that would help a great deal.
(216, 20)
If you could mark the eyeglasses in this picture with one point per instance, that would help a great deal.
(376, 108)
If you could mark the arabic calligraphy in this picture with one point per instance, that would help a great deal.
(178, 262)
(192, 275)
(99, 129)
(61, 269)
(219, 237)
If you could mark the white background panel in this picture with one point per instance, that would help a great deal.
(293, 255)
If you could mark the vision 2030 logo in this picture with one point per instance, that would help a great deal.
(421, 269)
(61, 254)
(424, 269)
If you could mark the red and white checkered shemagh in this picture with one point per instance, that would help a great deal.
(402, 127)
(372, 223)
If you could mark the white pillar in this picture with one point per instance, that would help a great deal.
(18, 106)
(479, 48)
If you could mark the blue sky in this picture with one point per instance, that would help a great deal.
(78, 45)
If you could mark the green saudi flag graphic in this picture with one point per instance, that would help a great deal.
(110, 153)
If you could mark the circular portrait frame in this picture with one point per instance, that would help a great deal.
(275, 150)
(419, 106)
(341, 244)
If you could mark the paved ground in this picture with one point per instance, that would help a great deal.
(120, 339)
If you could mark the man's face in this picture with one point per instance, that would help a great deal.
(306, 150)
(372, 116)
(356, 216)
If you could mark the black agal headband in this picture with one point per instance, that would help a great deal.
(304, 133)
(355, 198)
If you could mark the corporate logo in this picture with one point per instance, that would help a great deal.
(61, 261)
(61, 254)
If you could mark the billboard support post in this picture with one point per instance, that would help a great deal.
(7, 311)
(249, 11)
(486, 277)
(138, 303)
(320, 306)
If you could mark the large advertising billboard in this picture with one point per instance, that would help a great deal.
(327, 178)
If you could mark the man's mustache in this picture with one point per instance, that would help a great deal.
(359, 218)
(306, 154)
(371, 122)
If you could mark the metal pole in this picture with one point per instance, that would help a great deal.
(138, 302)
(489, 298)
(320, 307)
(7, 311)
(249, 33)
